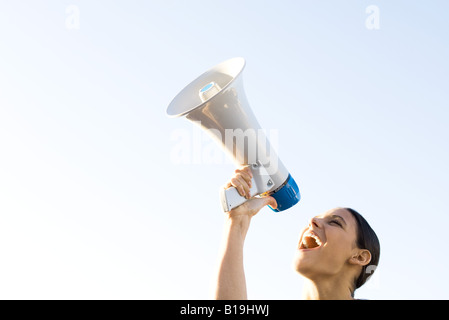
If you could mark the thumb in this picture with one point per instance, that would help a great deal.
(270, 201)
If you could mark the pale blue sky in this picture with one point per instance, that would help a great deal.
(92, 204)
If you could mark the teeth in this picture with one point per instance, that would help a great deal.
(311, 235)
(304, 243)
(318, 242)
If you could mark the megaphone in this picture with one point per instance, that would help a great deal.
(216, 101)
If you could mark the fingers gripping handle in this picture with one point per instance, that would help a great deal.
(261, 183)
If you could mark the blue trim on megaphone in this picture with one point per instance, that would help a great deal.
(287, 196)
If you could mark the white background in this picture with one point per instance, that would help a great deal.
(94, 205)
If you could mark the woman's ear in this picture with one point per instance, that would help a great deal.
(362, 257)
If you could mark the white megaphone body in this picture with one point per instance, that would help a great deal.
(217, 102)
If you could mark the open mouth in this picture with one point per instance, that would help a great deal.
(310, 241)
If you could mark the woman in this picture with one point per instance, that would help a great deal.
(336, 253)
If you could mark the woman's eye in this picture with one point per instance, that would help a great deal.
(335, 222)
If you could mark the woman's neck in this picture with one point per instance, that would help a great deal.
(329, 289)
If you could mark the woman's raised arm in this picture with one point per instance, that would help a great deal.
(231, 283)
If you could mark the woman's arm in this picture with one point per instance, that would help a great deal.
(231, 283)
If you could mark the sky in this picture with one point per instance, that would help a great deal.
(96, 203)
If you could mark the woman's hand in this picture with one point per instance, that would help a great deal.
(242, 215)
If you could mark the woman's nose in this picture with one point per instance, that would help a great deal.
(315, 222)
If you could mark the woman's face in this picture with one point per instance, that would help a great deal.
(327, 244)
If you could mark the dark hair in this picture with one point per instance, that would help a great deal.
(366, 239)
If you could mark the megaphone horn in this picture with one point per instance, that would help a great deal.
(217, 102)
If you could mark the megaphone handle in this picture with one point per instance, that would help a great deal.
(261, 183)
